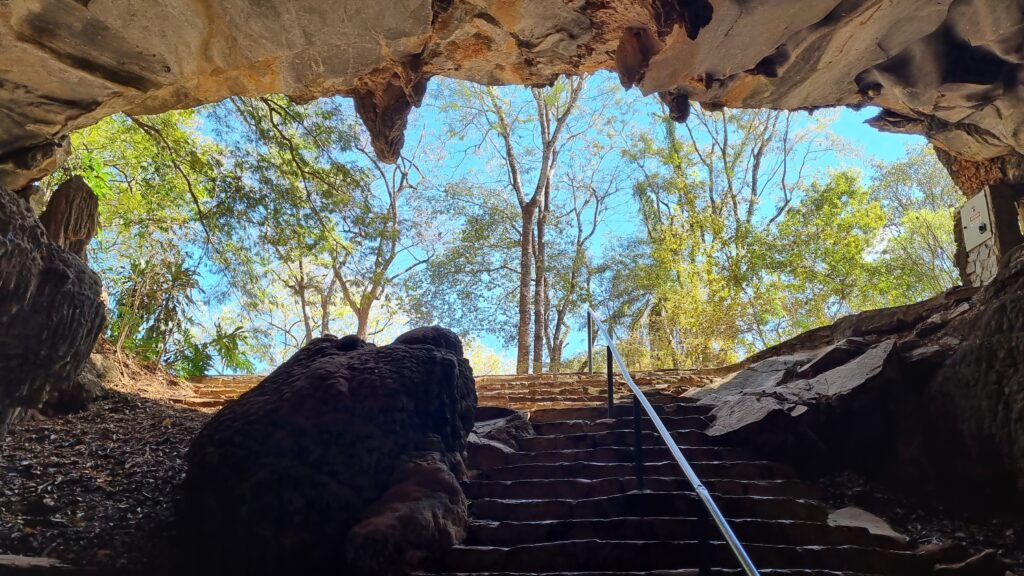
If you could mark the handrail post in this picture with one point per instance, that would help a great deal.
(638, 455)
(611, 384)
(707, 510)
(590, 344)
(703, 540)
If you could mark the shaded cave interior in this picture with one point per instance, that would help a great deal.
(951, 70)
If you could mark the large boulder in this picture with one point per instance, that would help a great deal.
(346, 458)
(51, 312)
(838, 411)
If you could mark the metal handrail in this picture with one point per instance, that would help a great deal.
(702, 492)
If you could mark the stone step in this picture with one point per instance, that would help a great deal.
(613, 438)
(610, 556)
(738, 470)
(575, 488)
(621, 454)
(487, 396)
(776, 532)
(640, 504)
(201, 402)
(681, 407)
(684, 572)
(606, 424)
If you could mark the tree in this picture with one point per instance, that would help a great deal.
(819, 265)
(709, 192)
(308, 207)
(527, 136)
(519, 199)
(151, 176)
(919, 247)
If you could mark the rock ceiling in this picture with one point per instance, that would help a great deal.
(950, 69)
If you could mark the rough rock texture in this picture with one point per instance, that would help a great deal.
(71, 217)
(762, 401)
(50, 311)
(432, 336)
(928, 396)
(951, 69)
(493, 439)
(341, 459)
(87, 387)
(981, 387)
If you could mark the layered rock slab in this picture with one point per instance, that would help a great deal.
(344, 458)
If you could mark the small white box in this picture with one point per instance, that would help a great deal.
(976, 221)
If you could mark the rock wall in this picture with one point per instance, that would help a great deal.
(980, 389)
(950, 69)
(928, 397)
(346, 459)
(50, 311)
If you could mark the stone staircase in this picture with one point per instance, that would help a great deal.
(566, 502)
(215, 391)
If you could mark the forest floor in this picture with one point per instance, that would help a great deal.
(925, 523)
(97, 488)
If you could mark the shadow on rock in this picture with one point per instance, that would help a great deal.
(345, 459)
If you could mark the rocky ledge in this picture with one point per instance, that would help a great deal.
(929, 396)
(950, 69)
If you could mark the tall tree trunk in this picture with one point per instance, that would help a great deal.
(362, 322)
(555, 362)
(300, 288)
(540, 293)
(326, 297)
(525, 281)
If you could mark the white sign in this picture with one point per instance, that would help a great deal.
(975, 220)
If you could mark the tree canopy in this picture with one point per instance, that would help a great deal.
(233, 234)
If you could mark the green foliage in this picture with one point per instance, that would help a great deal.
(736, 256)
(276, 208)
(817, 258)
(150, 176)
(918, 252)
(199, 358)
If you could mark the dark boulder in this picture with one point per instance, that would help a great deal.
(432, 336)
(51, 313)
(342, 460)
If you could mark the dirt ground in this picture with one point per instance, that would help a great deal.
(929, 522)
(97, 488)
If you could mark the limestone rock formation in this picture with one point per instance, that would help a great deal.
(345, 458)
(71, 217)
(929, 396)
(981, 387)
(950, 69)
(432, 336)
(761, 399)
(50, 311)
(87, 386)
(495, 436)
